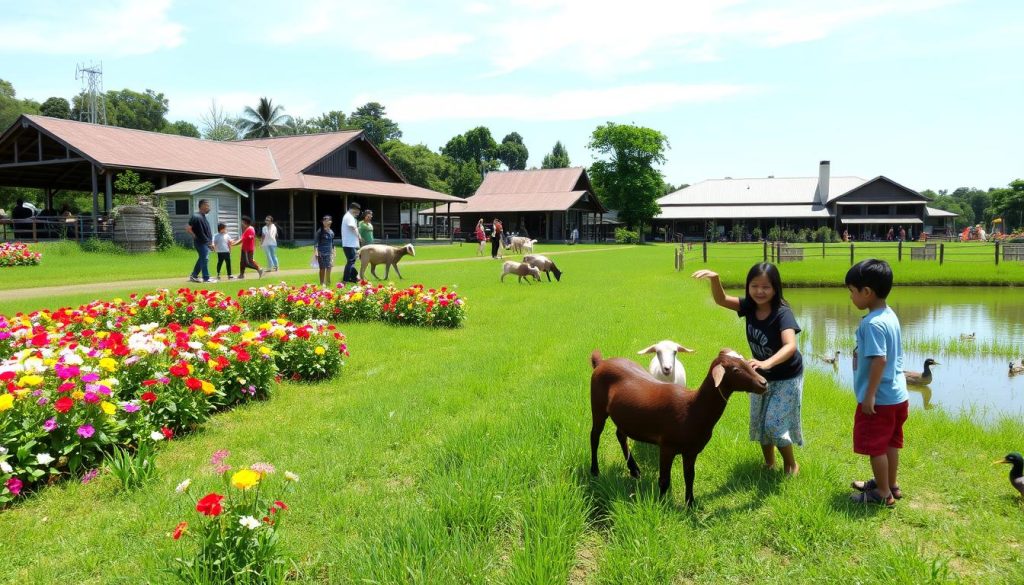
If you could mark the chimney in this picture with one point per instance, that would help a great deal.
(823, 178)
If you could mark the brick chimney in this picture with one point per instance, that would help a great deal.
(824, 174)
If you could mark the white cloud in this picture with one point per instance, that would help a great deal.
(101, 28)
(563, 105)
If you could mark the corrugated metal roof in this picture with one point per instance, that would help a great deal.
(932, 212)
(741, 212)
(293, 154)
(358, 187)
(756, 191)
(895, 219)
(893, 202)
(532, 181)
(124, 147)
(197, 186)
(518, 203)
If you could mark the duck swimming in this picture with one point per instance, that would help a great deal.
(1016, 369)
(922, 378)
(1016, 472)
(831, 360)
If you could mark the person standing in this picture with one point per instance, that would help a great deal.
(222, 244)
(574, 237)
(202, 239)
(21, 214)
(497, 233)
(248, 241)
(323, 250)
(350, 242)
(481, 237)
(268, 242)
(366, 228)
(903, 234)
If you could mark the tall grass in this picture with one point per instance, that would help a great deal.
(463, 457)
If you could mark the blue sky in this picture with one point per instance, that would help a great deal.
(927, 92)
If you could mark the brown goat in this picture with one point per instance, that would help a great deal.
(680, 422)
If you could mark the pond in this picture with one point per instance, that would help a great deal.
(973, 375)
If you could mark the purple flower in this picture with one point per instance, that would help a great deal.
(262, 468)
(43, 401)
(85, 431)
(105, 390)
(130, 407)
(218, 457)
(91, 397)
(131, 360)
(91, 377)
(164, 380)
(90, 475)
(50, 425)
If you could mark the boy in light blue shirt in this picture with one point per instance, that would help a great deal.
(881, 388)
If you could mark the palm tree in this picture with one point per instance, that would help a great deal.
(264, 121)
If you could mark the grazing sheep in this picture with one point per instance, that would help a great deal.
(678, 421)
(374, 254)
(664, 365)
(544, 264)
(521, 270)
(528, 246)
(517, 243)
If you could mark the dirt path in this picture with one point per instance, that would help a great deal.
(156, 283)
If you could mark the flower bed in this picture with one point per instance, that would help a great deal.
(76, 383)
(18, 254)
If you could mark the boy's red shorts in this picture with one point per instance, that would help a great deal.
(874, 434)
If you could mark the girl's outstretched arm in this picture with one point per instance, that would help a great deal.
(723, 300)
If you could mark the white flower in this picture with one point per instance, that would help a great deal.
(249, 522)
(156, 436)
(3, 450)
(183, 486)
(6, 467)
(291, 476)
(44, 459)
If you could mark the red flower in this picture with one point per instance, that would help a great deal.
(210, 504)
(5, 376)
(150, 382)
(179, 369)
(179, 530)
(243, 356)
(40, 340)
(148, 397)
(63, 404)
(278, 505)
(193, 383)
(168, 433)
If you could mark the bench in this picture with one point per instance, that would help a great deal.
(788, 254)
(926, 252)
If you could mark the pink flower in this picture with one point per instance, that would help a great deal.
(14, 486)
(50, 425)
(91, 377)
(85, 431)
(90, 475)
(218, 457)
(262, 468)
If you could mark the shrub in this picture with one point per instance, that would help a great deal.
(131, 469)
(96, 245)
(758, 235)
(625, 236)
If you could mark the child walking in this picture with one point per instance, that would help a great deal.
(248, 241)
(222, 244)
(323, 250)
(269, 243)
(771, 334)
(878, 380)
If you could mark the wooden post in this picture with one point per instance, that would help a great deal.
(109, 201)
(314, 211)
(291, 215)
(95, 200)
(705, 251)
(899, 251)
(851, 254)
(434, 211)
(765, 254)
(823, 248)
(942, 252)
(997, 252)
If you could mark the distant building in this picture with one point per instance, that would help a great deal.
(864, 208)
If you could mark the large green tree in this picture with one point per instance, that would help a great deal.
(372, 118)
(941, 200)
(333, 121)
(129, 109)
(475, 146)
(1009, 204)
(182, 128)
(512, 152)
(625, 177)
(420, 165)
(216, 125)
(557, 159)
(56, 107)
(264, 120)
(11, 107)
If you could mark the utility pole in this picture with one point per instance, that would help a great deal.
(94, 106)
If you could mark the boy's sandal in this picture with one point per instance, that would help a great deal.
(873, 497)
(864, 486)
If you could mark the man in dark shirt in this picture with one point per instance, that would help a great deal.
(22, 213)
(202, 237)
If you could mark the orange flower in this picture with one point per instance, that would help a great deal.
(181, 528)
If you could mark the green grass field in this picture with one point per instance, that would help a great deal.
(462, 456)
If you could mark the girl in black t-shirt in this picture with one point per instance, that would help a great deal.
(771, 333)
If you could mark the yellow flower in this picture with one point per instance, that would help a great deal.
(30, 380)
(200, 332)
(49, 361)
(212, 345)
(208, 388)
(211, 363)
(319, 350)
(357, 297)
(208, 319)
(264, 350)
(89, 320)
(6, 402)
(21, 392)
(78, 394)
(108, 408)
(108, 364)
(245, 479)
(250, 335)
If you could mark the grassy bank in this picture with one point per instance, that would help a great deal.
(462, 457)
(969, 263)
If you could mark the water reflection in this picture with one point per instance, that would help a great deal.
(979, 384)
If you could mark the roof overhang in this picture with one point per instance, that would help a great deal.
(879, 220)
(743, 212)
(887, 202)
(196, 187)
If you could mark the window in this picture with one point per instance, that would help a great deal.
(181, 207)
(878, 210)
(352, 159)
(906, 210)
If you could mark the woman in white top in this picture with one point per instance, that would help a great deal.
(269, 243)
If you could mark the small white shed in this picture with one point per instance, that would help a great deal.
(181, 200)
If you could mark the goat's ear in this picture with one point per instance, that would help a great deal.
(684, 349)
(717, 373)
(646, 350)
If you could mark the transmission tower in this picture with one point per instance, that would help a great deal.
(94, 107)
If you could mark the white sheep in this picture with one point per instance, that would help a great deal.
(374, 254)
(544, 264)
(664, 365)
(528, 246)
(521, 270)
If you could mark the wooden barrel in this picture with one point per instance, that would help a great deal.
(135, 228)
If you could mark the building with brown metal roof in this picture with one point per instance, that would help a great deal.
(294, 178)
(545, 204)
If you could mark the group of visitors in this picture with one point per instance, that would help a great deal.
(353, 235)
(205, 242)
